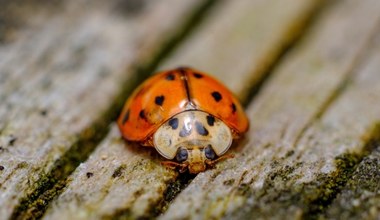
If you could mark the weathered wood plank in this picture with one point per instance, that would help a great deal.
(141, 182)
(279, 168)
(359, 109)
(117, 180)
(244, 38)
(60, 75)
(360, 199)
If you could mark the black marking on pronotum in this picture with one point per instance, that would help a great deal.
(198, 75)
(210, 120)
(209, 152)
(142, 114)
(173, 123)
(159, 100)
(217, 96)
(185, 132)
(126, 117)
(170, 77)
(233, 106)
(200, 129)
(181, 155)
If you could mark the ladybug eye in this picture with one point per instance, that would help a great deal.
(181, 155)
(209, 152)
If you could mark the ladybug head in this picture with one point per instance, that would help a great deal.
(195, 160)
(192, 140)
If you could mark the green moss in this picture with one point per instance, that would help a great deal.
(22, 165)
(360, 194)
(312, 200)
(329, 185)
(120, 214)
(281, 192)
(173, 189)
(229, 182)
(118, 171)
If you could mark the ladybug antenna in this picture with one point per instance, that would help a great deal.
(211, 163)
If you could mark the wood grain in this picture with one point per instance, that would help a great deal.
(289, 160)
(309, 74)
(358, 112)
(141, 189)
(61, 73)
(241, 40)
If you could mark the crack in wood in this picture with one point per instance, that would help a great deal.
(347, 168)
(360, 57)
(359, 197)
(298, 32)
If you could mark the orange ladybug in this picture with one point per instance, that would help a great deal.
(188, 116)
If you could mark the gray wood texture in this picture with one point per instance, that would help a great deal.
(291, 155)
(146, 180)
(59, 75)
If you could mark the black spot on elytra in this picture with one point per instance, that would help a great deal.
(217, 96)
(126, 117)
(170, 77)
(89, 174)
(210, 120)
(233, 106)
(200, 129)
(197, 75)
(159, 100)
(142, 114)
(1, 168)
(185, 132)
(173, 123)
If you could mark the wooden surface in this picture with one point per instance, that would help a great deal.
(308, 71)
(59, 76)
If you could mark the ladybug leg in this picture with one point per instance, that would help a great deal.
(235, 134)
(147, 142)
(183, 168)
(173, 165)
(211, 163)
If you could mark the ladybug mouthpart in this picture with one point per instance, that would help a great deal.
(197, 167)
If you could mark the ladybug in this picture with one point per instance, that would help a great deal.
(189, 117)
